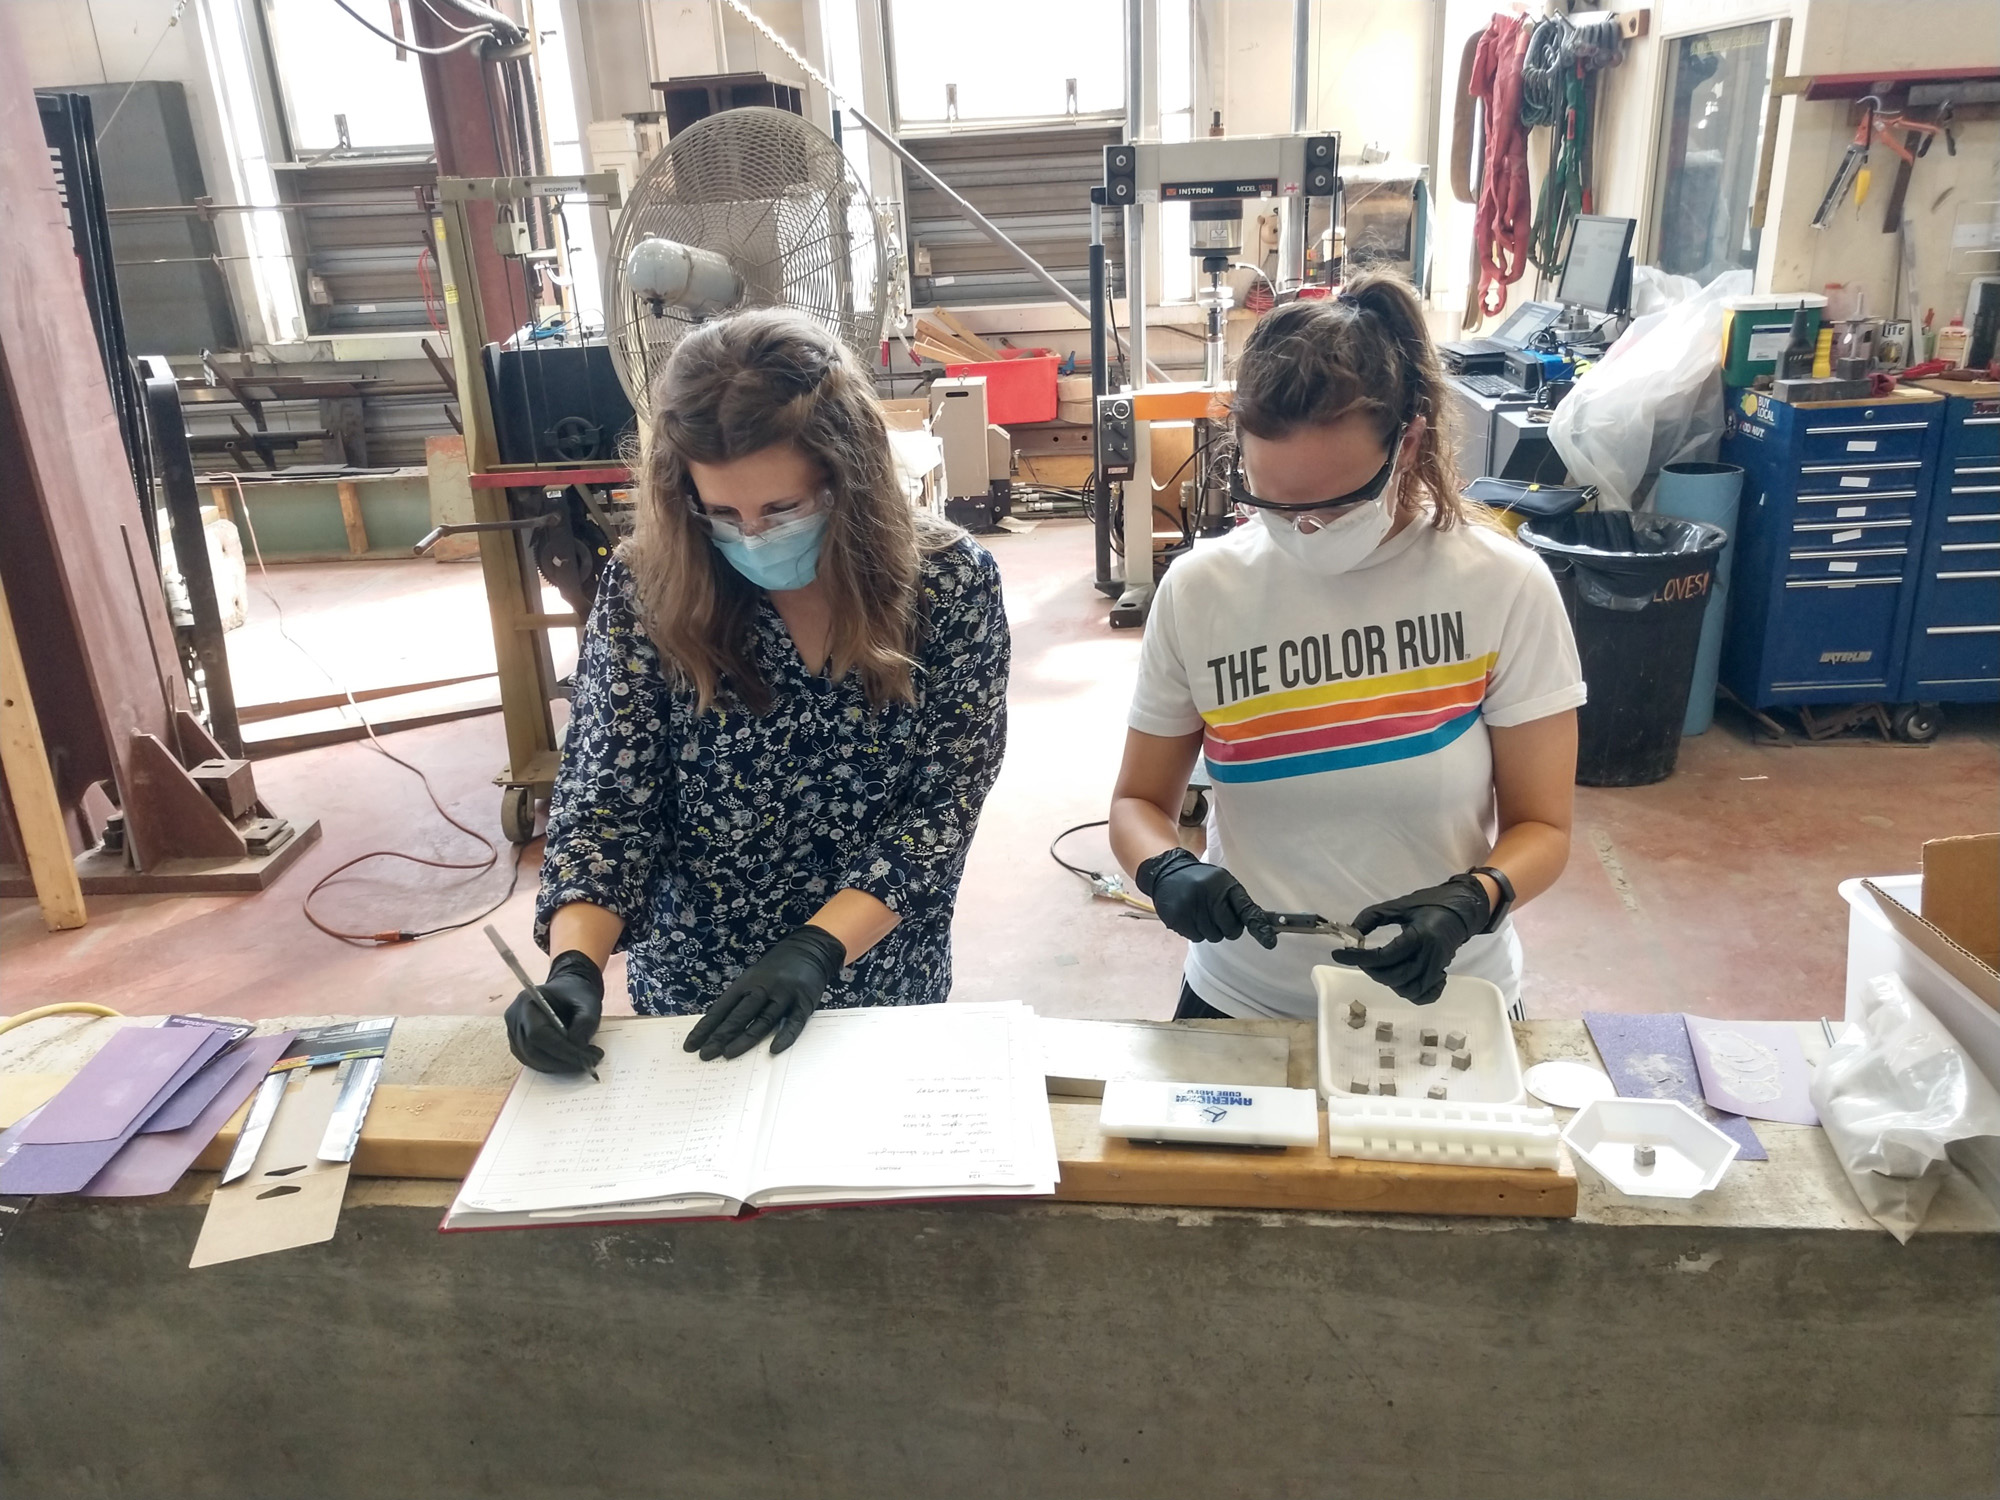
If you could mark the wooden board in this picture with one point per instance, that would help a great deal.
(1100, 1170)
(437, 1132)
(38, 812)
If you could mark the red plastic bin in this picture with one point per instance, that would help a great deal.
(1017, 390)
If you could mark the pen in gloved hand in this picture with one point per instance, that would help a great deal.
(530, 987)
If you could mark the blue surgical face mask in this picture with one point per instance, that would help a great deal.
(785, 557)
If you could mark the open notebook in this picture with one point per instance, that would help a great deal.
(930, 1101)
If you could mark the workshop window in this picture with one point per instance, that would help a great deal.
(1007, 62)
(1711, 140)
(341, 87)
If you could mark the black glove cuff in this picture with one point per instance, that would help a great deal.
(1482, 915)
(574, 961)
(1147, 876)
(830, 952)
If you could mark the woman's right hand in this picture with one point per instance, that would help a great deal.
(550, 1026)
(1204, 903)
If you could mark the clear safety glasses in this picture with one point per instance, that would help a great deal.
(725, 525)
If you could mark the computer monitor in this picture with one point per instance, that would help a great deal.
(1596, 267)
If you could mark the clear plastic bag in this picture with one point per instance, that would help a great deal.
(1900, 1102)
(1656, 396)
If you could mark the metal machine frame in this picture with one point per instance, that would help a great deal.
(1292, 168)
(513, 593)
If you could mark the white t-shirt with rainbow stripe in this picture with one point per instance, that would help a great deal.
(1344, 728)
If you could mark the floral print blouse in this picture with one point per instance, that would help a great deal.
(713, 835)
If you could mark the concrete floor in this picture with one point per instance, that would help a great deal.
(1713, 891)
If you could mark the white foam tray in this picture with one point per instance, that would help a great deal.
(1473, 1006)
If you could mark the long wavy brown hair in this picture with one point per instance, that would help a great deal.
(735, 387)
(1308, 364)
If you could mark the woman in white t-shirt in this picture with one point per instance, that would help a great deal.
(1383, 685)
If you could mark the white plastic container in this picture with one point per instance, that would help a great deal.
(1473, 1006)
(1420, 1130)
(1874, 947)
(1689, 1154)
(1218, 1114)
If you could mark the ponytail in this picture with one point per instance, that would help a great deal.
(1308, 364)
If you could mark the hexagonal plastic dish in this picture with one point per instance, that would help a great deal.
(1689, 1154)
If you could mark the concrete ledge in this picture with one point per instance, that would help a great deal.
(995, 1350)
(1769, 1341)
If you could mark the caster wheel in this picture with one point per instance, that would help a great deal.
(1918, 723)
(517, 814)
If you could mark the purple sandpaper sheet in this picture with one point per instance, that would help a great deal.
(153, 1162)
(67, 1165)
(115, 1089)
(1754, 1068)
(1650, 1057)
(192, 1097)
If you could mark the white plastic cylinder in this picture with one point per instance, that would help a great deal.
(680, 275)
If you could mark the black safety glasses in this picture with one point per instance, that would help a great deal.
(1239, 488)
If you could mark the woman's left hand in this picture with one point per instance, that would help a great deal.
(1435, 922)
(774, 997)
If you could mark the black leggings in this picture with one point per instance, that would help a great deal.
(1194, 1008)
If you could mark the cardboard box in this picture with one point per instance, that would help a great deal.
(906, 413)
(1962, 895)
(1961, 904)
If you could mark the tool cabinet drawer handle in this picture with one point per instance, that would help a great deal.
(1870, 427)
(1982, 421)
(1857, 468)
(1993, 517)
(1976, 489)
(1855, 525)
(1963, 630)
(1970, 547)
(1847, 552)
(1970, 573)
(1830, 583)
(1839, 497)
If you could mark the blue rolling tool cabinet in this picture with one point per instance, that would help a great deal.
(1829, 549)
(1954, 647)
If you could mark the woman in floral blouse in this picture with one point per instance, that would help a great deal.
(789, 707)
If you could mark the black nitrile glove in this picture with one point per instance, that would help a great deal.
(774, 997)
(1204, 903)
(574, 990)
(1435, 925)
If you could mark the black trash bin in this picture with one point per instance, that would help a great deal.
(1636, 587)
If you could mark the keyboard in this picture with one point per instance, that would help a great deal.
(1491, 385)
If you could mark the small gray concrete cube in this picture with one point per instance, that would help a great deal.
(1385, 1059)
(1428, 1057)
(1436, 1091)
(1386, 1086)
(1385, 1031)
(1461, 1060)
(1454, 1040)
(1428, 1036)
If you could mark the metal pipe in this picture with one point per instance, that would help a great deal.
(1292, 224)
(979, 220)
(1100, 490)
(1138, 526)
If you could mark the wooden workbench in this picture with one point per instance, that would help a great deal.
(1764, 1339)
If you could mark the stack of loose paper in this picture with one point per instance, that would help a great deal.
(933, 1101)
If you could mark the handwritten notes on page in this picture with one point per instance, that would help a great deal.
(918, 1102)
(661, 1122)
(937, 1100)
